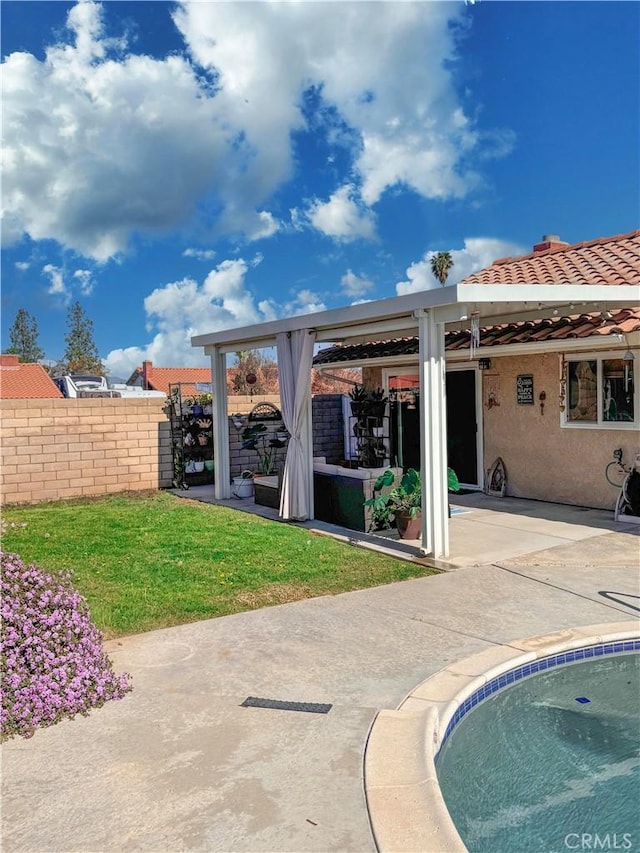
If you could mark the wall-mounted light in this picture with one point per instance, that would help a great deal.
(484, 363)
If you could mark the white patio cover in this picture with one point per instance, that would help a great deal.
(295, 357)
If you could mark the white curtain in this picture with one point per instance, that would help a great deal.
(295, 357)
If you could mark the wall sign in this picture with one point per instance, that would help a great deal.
(524, 389)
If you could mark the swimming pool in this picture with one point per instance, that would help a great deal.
(552, 762)
(405, 800)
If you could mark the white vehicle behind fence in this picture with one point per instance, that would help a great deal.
(88, 385)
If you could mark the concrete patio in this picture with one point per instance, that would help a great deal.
(482, 528)
(180, 765)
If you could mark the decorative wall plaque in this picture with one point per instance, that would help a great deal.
(524, 389)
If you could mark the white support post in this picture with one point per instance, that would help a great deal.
(433, 436)
(309, 461)
(222, 469)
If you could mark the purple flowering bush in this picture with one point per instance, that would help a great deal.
(53, 664)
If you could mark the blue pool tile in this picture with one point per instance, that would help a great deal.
(540, 665)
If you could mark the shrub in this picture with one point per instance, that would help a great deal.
(53, 664)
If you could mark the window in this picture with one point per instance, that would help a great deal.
(601, 391)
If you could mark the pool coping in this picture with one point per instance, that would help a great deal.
(406, 809)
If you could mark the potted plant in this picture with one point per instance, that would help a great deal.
(206, 401)
(404, 501)
(267, 445)
(358, 395)
(191, 405)
(376, 405)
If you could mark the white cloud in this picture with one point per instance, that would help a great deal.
(184, 308)
(478, 252)
(355, 285)
(57, 287)
(305, 302)
(342, 217)
(85, 281)
(131, 144)
(199, 254)
(22, 265)
(80, 280)
(385, 72)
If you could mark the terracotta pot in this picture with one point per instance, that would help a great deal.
(408, 528)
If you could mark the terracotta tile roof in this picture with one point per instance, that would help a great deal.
(25, 381)
(607, 260)
(159, 378)
(624, 321)
(559, 328)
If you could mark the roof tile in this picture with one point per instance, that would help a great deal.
(159, 378)
(19, 381)
(607, 260)
(624, 321)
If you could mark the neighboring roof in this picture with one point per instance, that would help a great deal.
(607, 260)
(159, 378)
(20, 381)
(559, 328)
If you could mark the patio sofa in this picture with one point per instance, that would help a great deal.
(339, 494)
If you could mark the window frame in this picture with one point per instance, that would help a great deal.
(599, 356)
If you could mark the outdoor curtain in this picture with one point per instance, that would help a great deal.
(295, 357)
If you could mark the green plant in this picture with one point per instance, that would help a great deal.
(376, 404)
(265, 443)
(378, 395)
(405, 498)
(358, 394)
(441, 263)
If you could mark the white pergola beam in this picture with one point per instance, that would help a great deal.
(493, 302)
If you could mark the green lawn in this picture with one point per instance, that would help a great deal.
(146, 561)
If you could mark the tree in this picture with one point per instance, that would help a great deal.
(81, 354)
(253, 363)
(441, 263)
(23, 337)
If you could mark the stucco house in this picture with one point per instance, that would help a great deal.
(553, 398)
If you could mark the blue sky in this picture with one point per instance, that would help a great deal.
(180, 168)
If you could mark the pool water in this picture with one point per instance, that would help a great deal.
(551, 763)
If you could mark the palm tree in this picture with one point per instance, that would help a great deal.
(441, 263)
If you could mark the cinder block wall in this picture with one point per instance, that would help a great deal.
(56, 449)
(328, 427)
(328, 438)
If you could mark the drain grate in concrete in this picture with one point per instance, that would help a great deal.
(278, 705)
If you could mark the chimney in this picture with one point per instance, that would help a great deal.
(146, 369)
(9, 360)
(549, 241)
